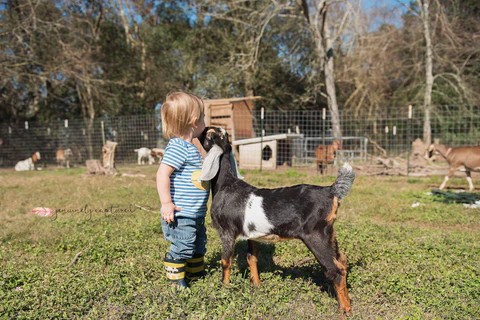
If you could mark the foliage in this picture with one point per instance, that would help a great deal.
(90, 58)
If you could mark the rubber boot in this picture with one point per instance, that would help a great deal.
(195, 267)
(175, 270)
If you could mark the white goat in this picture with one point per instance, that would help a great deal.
(28, 164)
(143, 155)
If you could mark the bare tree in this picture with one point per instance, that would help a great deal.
(315, 11)
(427, 101)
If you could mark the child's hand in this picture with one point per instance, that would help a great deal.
(167, 211)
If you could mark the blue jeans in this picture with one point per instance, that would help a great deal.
(187, 237)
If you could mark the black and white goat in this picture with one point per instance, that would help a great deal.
(304, 212)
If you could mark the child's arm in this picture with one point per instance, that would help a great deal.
(163, 188)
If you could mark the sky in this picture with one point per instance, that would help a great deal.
(395, 9)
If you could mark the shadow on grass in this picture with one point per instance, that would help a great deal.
(313, 271)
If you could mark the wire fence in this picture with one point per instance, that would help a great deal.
(281, 137)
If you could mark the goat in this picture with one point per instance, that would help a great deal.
(157, 153)
(468, 157)
(144, 153)
(29, 163)
(304, 212)
(325, 154)
(63, 157)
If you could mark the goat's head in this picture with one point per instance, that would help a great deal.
(213, 136)
(337, 144)
(432, 151)
(216, 142)
(68, 152)
(35, 156)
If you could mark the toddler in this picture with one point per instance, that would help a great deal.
(183, 196)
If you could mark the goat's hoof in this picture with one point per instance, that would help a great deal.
(345, 313)
(256, 284)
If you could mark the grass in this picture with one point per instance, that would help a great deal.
(101, 256)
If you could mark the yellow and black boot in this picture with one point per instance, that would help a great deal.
(195, 267)
(175, 271)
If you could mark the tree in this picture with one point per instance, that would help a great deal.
(427, 102)
(315, 12)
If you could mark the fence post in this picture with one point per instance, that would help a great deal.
(394, 133)
(386, 140)
(324, 169)
(409, 138)
(66, 140)
(262, 112)
(103, 132)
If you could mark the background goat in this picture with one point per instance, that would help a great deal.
(29, 163)
(325, 154)
(63, 157)
(144, 154)
(304, 212)
(157, 153)
(468, 157)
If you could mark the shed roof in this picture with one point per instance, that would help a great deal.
(268, 138)
(230, 100)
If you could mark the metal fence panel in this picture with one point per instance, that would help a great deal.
(390, 135)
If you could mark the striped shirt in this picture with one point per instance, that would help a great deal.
(186, 189)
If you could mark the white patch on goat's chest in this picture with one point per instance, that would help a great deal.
(256, 223)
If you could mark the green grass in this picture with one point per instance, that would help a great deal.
(404, 262)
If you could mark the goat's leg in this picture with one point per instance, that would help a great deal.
(448, 176)
(253, 262)
(325, 249)
(228, 246)
(469, 180)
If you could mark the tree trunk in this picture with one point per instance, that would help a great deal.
(427, 102)
(329, 72)
(84, 92)
(324, 48)
(248, 78)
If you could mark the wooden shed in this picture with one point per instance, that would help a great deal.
(268, 152)
(233, 114)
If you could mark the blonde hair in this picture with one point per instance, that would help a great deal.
(180, 112)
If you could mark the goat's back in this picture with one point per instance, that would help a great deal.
(292, 209)
(466, 156)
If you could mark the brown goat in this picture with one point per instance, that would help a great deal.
(63, 157)
(325, 154)
(468, 157)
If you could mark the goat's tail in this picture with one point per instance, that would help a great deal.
(344, 181)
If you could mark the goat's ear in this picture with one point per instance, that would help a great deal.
(233, 164)
(203, 135)
(211, 163)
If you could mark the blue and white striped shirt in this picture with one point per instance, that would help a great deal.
(186, 189)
